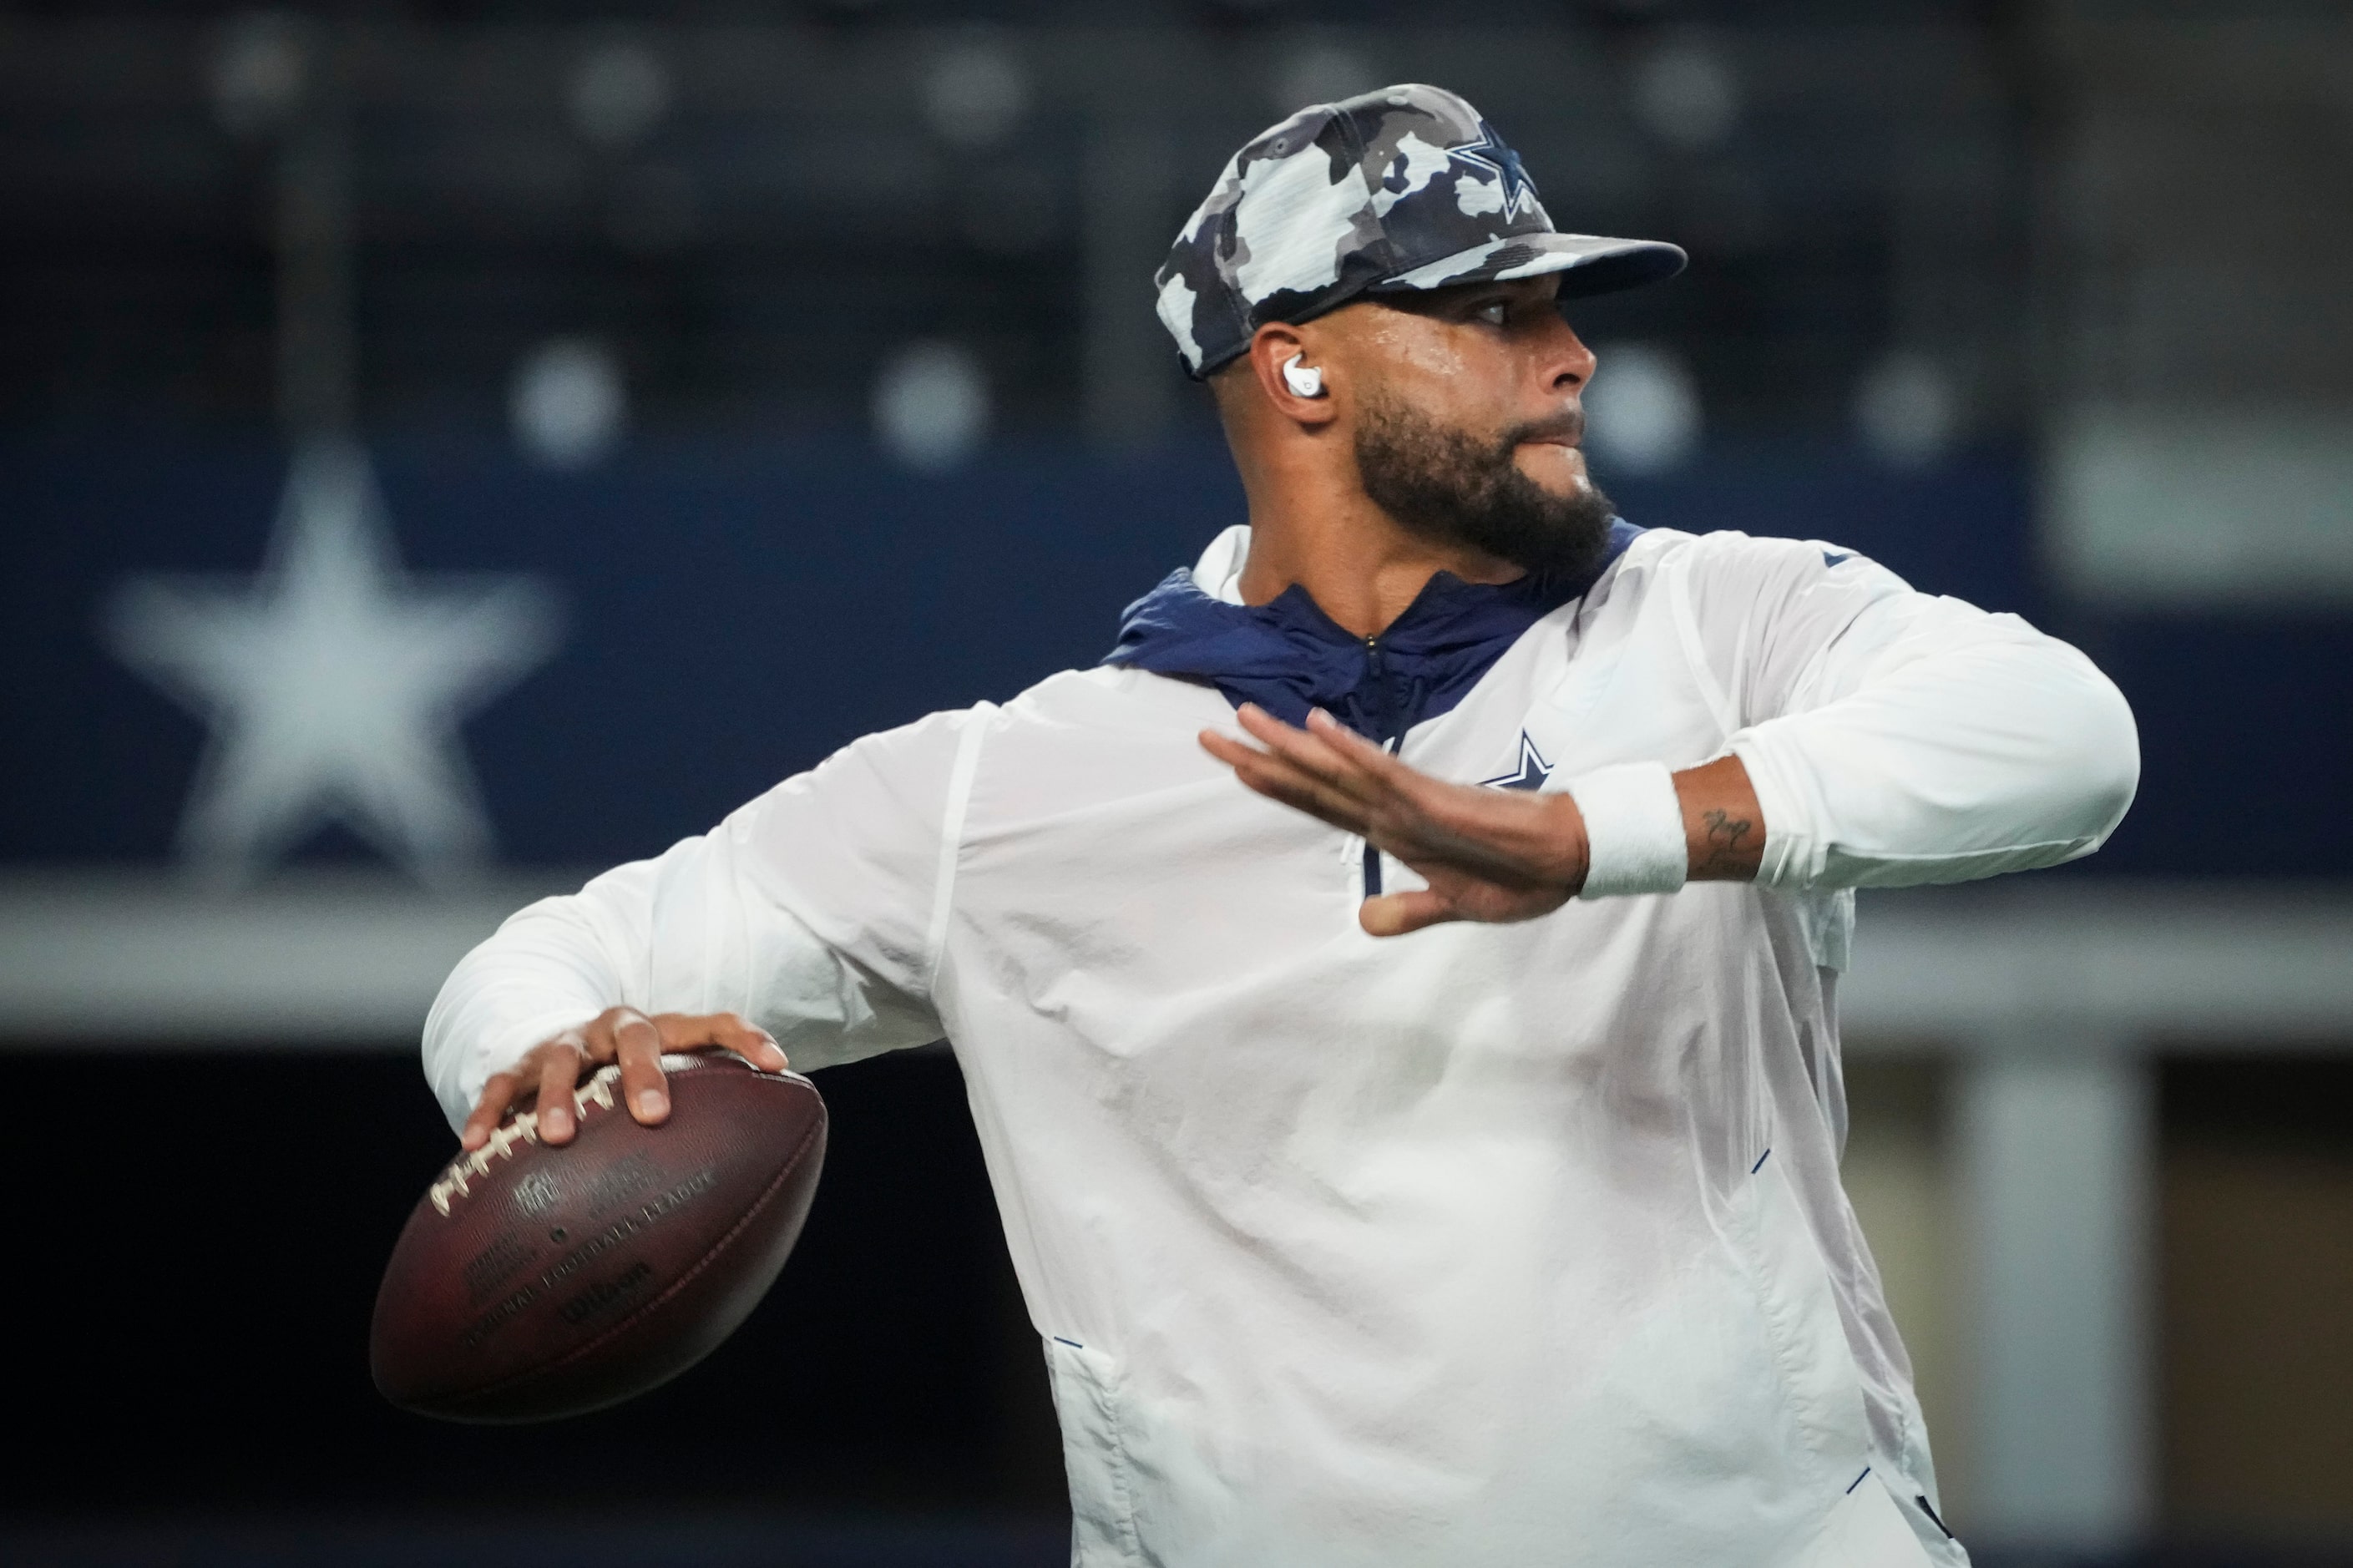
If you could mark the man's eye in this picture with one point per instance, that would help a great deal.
(1494, 312)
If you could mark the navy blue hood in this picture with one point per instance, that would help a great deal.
(1289, 657)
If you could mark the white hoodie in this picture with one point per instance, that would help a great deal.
(1488, 1247)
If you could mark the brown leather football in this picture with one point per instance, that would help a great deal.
(535, 1281)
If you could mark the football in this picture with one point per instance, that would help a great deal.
(535, 1281)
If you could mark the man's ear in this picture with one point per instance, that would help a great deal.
(1279, 346)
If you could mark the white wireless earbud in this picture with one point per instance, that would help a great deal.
(1304, 381)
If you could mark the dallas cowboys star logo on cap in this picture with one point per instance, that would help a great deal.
(1488, 152)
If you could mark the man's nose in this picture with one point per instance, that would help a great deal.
(1568, 364)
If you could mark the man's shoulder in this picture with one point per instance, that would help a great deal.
(1728, 558)
(1732, 546)
(1104, 694)
(1081, 738)
(1115, 695)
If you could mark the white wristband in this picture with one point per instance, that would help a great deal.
(1633, 830)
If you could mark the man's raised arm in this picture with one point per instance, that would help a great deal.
(1901, 738)
(1879, 737)
(802, 925)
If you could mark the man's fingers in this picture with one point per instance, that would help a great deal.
(1394, 914)
(1354, 750)
(621, 1034)
(559, 1070)
(685, 1031)
(1228, 749)
(1329, 771)
(1312, 752)
(1278, 779)
(637, 1045)
(488, 1110)
(1488, 854)
(1514, 849)
(1282, 780)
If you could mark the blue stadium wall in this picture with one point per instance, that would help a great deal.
(737, 609)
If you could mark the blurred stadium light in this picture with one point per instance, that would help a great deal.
(1644, 416)
(1908, 409)
(570, 404)
(931, 405)
(976, 93)
(620, 90)
(1685, 94)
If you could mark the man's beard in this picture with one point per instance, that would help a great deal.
(1447, 486)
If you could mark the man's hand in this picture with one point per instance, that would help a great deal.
(1487, 854)
(620, 1034)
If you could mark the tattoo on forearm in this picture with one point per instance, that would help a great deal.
(1726, 843)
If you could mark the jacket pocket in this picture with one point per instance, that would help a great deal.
(1095, 1453)
(1802, 1325)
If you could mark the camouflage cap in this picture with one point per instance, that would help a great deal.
(1404, 188)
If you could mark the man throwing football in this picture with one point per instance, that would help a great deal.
(1427, 1153)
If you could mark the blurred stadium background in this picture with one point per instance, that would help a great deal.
(447, 446)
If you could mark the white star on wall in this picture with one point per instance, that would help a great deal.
(333, 682)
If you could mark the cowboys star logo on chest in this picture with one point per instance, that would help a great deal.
(1529, 774)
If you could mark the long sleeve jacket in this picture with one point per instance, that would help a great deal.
(1490, 1245)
